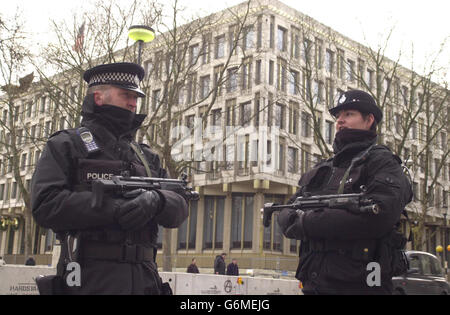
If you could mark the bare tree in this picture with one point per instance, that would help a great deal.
(415, 122)
(176, 85)
(14, 57)
(414, 126)
(95, 36)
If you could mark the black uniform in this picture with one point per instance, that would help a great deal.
(112, 260)
(337, 245)
(219, 265)
(192, 268)
(232, 269)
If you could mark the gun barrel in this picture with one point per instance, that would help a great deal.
(355, 203)
(121, 184)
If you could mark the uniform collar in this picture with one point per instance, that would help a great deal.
(350, 150)
(104, 129)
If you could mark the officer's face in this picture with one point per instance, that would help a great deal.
(117, 97)
(353, 119)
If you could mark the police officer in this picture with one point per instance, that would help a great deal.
(114, 244)
(337, 245)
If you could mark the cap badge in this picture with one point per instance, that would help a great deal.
(342, 99)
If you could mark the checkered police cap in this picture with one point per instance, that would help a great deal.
(359, 100)
(124, 75)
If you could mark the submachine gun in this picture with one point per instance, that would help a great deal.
(118, 185)
(357, 203)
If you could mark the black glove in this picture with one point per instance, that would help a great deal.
(134, 214)
(291, 223)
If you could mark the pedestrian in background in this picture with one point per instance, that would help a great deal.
(30, 261)
(192, 268)
(219, 264)
(232, 268)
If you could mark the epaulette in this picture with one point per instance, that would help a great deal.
(386, 148)
(56, 133)
(144, 145)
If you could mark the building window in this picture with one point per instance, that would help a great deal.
(281, 38)
(279, 115)
(247, 73)
(361, 68)
(329, 132)
(293, 82)
(230, 112)
(281, 158)
(204, 86)
(319, 53)
(414, 130)
(281, 75)
(405, 95)
(249, 38)
(306, 124)
(194, 54)
(370, 80)
(329, 93)
(23, 162)
(292, 160)
(258, 72)
(213, 222)
(350, 70)
(271, 66)
(306, 158)
(220, 47)
(245, 114)
(242, 221)
(217, 79)
(317, 92)
(272, 32)
(190, 88)
(329, 61)
(273, 236)
(295, 43)
(216, 117)
(232, 80)
(387, 87)
(232, 39)
(306, 51)
(293, 118)
(187, 231)
(155, 99)
(398, 123)
(257, 109)
(340, 66)
(206, 48)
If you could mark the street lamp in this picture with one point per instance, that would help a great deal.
(141, 34)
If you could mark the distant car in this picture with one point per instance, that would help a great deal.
(425, 276)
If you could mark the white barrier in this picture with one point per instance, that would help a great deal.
(17, 279)
(205, 284)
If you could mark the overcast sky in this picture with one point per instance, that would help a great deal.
(424, 24)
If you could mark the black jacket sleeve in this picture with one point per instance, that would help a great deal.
(386, 185)
(54, 202)
(175, 209)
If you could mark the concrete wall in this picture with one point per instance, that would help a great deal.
(19, 280)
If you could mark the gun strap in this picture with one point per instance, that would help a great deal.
(358, 158)
(137, 149)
